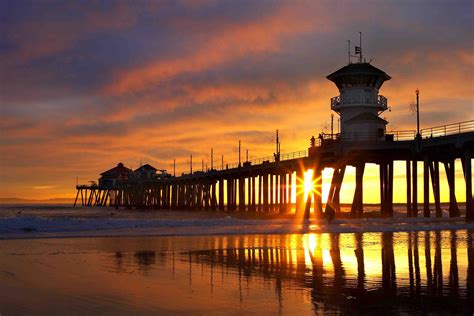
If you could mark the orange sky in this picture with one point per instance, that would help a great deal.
(84, 87)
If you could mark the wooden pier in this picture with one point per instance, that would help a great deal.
(265, 185)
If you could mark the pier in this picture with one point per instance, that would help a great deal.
(266, 185)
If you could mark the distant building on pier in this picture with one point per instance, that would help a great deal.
(145, 172)
(109, 178)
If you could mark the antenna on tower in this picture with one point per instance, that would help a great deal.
(348, 51)
(357, 49)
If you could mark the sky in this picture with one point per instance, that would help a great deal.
(87, 84)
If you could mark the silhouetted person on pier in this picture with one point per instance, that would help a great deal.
(329, 214)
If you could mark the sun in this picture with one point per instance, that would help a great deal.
(309, 184)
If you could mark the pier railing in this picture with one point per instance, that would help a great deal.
(261, 160)
(445, 130)
(360, 98)
(404, 135)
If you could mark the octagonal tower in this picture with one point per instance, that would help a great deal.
(359, 104)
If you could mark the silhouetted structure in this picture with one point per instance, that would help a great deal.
(265, 185)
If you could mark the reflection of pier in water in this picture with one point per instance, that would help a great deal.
(331, 284)
(423, 271)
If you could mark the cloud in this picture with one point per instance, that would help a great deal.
(43, 187)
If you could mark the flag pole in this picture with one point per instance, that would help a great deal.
(348, 52)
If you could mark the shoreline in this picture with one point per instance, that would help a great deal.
(37, 222)
(232, 226)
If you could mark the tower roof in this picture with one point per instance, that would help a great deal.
(358, 69)
(119, 171)
(146, 168)
(358, 74)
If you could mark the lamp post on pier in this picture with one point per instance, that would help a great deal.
(418, 113)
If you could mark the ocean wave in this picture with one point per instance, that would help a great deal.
(36, 227)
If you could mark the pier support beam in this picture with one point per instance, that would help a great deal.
(271, 191)
(318, 190)
(234, 193)
(253, 192)
(337, 189)
(468, 178)
(414, 205)
(242, 194)
(221, 194)
(333, 202)
(229, 194)
(213, 195)
(426, 186)
(434, 171)
(290, 192)
(357, 208)
(265, 193)
(173, 196)
(386, 189)
(453, 205)
(408, 177)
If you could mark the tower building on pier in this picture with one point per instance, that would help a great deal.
(359, 103)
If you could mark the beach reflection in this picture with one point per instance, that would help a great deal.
(350, 273)
(338, 281)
